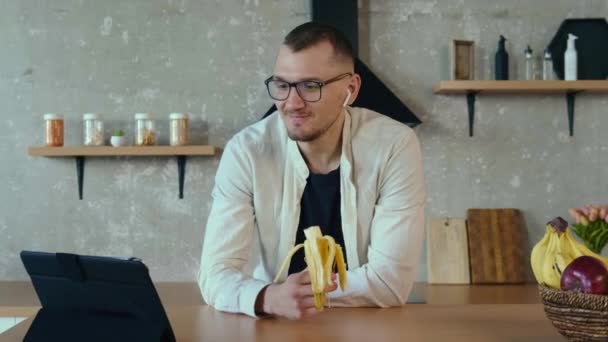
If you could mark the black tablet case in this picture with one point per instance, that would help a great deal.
(92, 298)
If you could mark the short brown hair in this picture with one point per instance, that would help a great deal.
(311, 33)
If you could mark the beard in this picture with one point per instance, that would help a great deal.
(308, 136)
(305, 136)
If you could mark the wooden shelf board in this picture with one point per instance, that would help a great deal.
(106, 151)
(520, 87)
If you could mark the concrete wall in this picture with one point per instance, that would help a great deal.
(209, 58)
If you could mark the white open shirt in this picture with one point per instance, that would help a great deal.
(256, 210)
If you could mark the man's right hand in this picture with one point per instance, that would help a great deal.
(293, 298)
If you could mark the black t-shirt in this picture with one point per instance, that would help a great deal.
(320, 206)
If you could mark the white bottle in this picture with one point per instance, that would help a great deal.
(570, 60)
(529, 64)
(548, 67)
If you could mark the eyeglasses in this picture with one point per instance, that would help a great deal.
(309, 90)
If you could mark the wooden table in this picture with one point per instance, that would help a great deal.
(426, 322)
(18, 298)
(457, 312)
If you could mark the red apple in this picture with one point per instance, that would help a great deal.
(585, 274)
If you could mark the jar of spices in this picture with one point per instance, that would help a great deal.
(92, 130)
(145, 134)
(178, 134)
(53, 129)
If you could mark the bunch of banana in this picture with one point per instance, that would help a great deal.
(322, 254)
(555, 251)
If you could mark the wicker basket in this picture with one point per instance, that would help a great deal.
(576, 315)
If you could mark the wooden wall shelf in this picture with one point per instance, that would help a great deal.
(472, 88)
(80, 152)
(108, 151)
(520, 87)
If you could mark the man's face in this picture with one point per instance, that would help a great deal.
(307, 121)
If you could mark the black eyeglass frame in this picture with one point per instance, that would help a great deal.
(321, 84)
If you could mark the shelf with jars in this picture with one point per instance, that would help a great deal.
(145, 143)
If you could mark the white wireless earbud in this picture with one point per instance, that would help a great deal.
(347, 98)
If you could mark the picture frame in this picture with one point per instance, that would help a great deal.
(462, 60)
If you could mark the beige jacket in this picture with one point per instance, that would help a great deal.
(256, 209)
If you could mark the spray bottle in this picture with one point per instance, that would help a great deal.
(571, 60)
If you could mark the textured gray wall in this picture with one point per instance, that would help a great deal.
(209, 58)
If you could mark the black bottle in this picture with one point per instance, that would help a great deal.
(501, 60)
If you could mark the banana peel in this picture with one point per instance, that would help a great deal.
(322, 255)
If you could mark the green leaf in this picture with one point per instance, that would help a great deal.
(576, 228)
(594, 235)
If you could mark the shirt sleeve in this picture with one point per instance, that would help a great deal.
(396, 234)
(228, 238)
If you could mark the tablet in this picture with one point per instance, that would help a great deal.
(94, 298)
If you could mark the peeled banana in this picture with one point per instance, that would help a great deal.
(555, 251)
(322, 254)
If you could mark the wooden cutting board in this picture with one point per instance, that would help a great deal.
(496, 246)
(447, 251)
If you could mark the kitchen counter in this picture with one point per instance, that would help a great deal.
(18, 299)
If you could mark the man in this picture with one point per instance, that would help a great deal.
(316, 161)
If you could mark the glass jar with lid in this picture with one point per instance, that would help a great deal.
(92, 129)
(178, 133)
(53, 129)
(145, 134)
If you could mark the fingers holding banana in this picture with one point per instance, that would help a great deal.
(322, 256)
